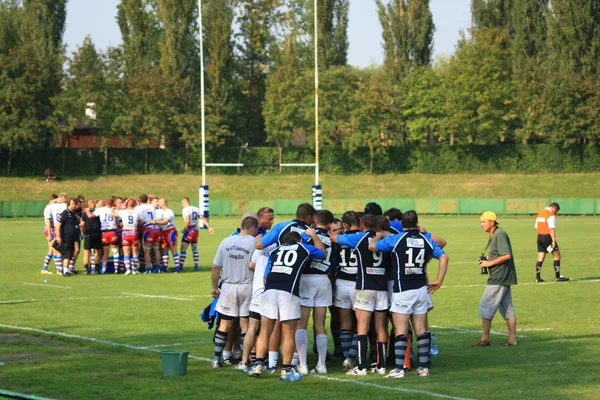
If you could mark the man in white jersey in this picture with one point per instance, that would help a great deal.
(109, 220)
(232, 260)
(151, 236)
(166, 220)
(191, 215)
(257, 264)
(130, 220)
(56, 210)
(49, 234)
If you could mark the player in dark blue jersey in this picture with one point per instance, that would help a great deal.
(281, 299)
(305, 217)
(345, 290)
(316, 294)
(411, 251)
(371, 292)
(394, 215)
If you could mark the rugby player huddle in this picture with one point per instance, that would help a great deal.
(369, 268)
(119, 230)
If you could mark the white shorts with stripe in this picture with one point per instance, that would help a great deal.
(345, 294)
(234, 300)
(279, 304)
(315, 291)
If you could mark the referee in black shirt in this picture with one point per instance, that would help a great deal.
(67, 231)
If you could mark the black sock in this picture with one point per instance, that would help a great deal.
(287, 367)
(538, 270)
(557, 268)
(381, 355)
(345, 341)
(362, 352)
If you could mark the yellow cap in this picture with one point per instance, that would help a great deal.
(488, 216)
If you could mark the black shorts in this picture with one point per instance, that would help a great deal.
(254, 315)
(543, 242)
(70, 248)
(93, 242)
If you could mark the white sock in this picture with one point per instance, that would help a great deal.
(322, 349)
(295, 360)
(273, 358)
(302, 345)
(237, 354)
(226, 355)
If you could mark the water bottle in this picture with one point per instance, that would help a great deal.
(293, 376)
(46, 281)
(433, 350)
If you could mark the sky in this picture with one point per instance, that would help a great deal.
(97, 18)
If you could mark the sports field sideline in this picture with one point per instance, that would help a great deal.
(98, 337)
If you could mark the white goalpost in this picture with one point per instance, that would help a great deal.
(203, 190)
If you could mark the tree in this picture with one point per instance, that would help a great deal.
(376, 119)
(423, 105)
(332, 27)
(83, 83)
(407, 30)
(491, 13)
(255, 40)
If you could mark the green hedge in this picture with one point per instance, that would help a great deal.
(445, 159)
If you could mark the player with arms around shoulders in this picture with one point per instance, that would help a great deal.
(280, 299)
(545, 224)
(189, 236)
(49, 235)
(316, 295)
(151, 235)
(130, 220)
(108, 218)
(305, 218)
(56, 208)
(371, 293)
(166, 221)
(411, 251)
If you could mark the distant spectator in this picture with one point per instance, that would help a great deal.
(49, 175)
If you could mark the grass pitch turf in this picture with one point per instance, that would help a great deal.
(98, 337)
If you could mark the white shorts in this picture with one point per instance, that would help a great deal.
(372, 300)
(278, 304)
(315, 291)
(345, 294)
(409, 302)
(234, 300)
(391, 295)
(255, 302)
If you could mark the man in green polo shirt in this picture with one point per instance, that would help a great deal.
(497, 294)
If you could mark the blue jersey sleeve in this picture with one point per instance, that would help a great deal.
(397, 225)
(306, 238)
(388, 243)
(437, 250)
(350, 240)
(267, 268)
(271, 237)
(315, 253)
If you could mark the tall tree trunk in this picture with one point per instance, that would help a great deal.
(146, 160)
(430, 137)
(372, 154)
(452, 139)
(187, 157)
(9, 164)
(105, 167)
(64, 153)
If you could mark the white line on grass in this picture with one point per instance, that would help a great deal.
(463, 330)
(390, 388)
(572, 281)
(64, 299)
(90, 339)
(149, 348)
(152, 296)
(175, 344)
(46, 285)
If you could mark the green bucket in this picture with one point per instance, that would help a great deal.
(174, 362)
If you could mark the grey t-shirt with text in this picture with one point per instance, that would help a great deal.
(233, 256)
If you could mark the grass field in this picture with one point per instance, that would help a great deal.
(98, 337)
(244, 187)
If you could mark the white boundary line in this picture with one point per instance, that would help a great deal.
(90, 339)
(152, 296)
(390, 388)
(46, 285)
(572, 281)
(64, 299)
(465, 331)
(176, 344)
(150, 348)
